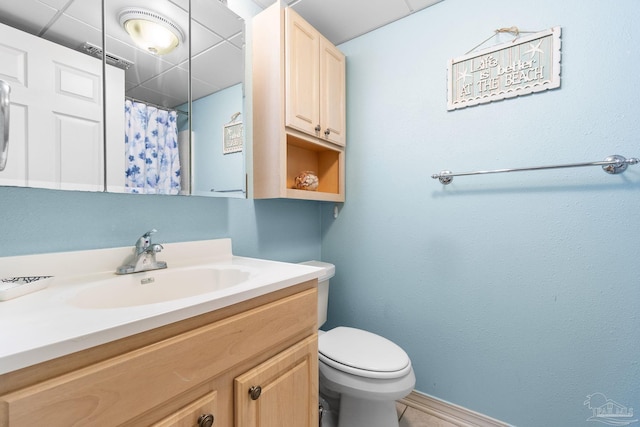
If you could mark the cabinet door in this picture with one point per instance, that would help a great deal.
(302, 74)
(289, 390)
(191, 414)
(332, 93)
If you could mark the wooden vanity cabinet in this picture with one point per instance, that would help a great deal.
(299, 107)
(184, 374)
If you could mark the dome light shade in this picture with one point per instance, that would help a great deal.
(151, 31)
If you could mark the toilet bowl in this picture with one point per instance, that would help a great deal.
(361, 372)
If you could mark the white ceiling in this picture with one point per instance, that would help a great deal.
(343, 20)
(218, 55)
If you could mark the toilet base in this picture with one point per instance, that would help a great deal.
(364, 402)
(356, 412)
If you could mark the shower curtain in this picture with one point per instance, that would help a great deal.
(151, 150)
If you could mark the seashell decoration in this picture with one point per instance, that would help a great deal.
(307, 180)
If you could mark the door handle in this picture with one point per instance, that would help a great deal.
(5, 91)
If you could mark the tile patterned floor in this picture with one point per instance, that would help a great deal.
(411, 417)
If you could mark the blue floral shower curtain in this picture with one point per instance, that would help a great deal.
(151, 150)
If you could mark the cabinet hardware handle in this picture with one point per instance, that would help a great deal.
(326, 133)
(318, 128)
(205, 420)
(255, 392)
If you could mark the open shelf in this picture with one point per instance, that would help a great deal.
(326, 162)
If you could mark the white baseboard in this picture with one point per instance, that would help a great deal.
(454, 414)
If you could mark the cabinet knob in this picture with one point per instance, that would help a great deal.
(255, 392)
(326, 133)
(205, 420)
(318, 128)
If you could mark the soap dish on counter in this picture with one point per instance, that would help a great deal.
(13, 287)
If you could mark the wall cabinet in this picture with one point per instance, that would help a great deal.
(299, 108)
(184, 374)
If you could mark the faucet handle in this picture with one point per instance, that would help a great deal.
(155, 248)
(150, 232)
(144, 241)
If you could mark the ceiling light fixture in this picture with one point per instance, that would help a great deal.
(151, 31)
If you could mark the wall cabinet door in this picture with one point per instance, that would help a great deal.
(332, 93)
(302, 75)
(288, 394)
(315, 82)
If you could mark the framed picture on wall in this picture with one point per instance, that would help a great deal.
(232, 138)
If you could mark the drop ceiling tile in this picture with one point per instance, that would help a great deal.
(170, 88)
(201, 89)
(417, 5)
(216, 17)
(264, 3)
(72, 33)
(222, 66)
(340, 20)
(87, 11)
(203, 38)
(244, 8)
(26, 15)
(182, 4)
(238, 40)
(145, 66)
(56, 4)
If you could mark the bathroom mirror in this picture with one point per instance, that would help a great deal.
(56, 94)
(216, 73)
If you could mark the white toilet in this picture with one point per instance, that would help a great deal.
(360, 372)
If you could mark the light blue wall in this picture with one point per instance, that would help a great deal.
(515, 295)
(39, 221)
(213, 170)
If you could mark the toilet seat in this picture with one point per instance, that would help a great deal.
(362, 353)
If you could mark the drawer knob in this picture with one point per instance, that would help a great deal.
(255, 392)
(205, 420)
(318, 128)
(327, 133)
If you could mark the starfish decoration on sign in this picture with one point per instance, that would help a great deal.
(534, 49)
(463, 75)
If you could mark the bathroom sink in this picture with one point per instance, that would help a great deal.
(157, 286)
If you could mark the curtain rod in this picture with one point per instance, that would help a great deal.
(612, 165)
(161, 107)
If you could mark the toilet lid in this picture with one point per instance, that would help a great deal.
(362, 353)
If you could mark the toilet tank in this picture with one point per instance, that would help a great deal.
(329, 271)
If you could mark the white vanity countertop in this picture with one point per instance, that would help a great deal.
(45, 325)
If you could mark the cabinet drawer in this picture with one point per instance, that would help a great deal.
(118, 389)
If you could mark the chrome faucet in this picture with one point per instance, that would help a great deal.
(144, 257)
